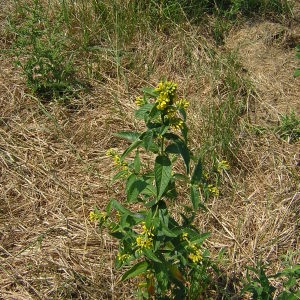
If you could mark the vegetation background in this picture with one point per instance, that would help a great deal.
(70, 72)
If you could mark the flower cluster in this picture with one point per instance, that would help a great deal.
(167, 102)
(222, 165)
(145, 239)
(117, 161)
(122, 256)
(93, 216)
(194, 252)
(139, 101)
(182, 104)
(167, 94)
(213, 190)
(98, 216)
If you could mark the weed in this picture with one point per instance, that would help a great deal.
(170, 258)
(261, 288)
(289, 127)
(41, 52)
(231, 91)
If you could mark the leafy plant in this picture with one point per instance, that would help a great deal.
(166, 253)
(261, 288)
(291, 283)
(41, 53)
(289, 127)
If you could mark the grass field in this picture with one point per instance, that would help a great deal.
(70, 73)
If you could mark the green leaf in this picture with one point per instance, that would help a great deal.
(148, 139)
(119, 175)
(297, 73)
(171, 136)
(172, 148)
(167, 232)
(171, 190)
(164, 129)
(135, 189)
(286, 296)
(149, 190)
(130, 180)
(150, 91)
(199, 238)
(195, 196)
(151, 203)
(154, 113)
(143, 110)
(162, 171)
(185, 153)
(137, 162)
(181, 177)
(139, 268)
(115, 204)
(128, 135)
(197, 174)
(133, 146)
(151, 255)
(183, 113)
(184, 132)
(179, 147)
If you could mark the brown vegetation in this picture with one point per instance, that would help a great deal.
(53, 168)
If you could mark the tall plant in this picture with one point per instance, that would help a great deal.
(166, 253)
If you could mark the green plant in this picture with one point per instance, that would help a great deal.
(40, 49)
(291, 283)
(261, 288)
(289, 127)
(221, 116)
(165, 250)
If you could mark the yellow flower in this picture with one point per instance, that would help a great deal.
(139, 101)
(117, 160)
(167, 87)
(147, 231)
(184, 236)
(171, 112)
(143, 242)
(195, 256)
(223, 165)
(122, 257)
(93, 217)
(167, 92)
(103, 215)
(182, 103)
(213, 190)
(206, 175)
(176, 123)
(110, 152)
(162, 101)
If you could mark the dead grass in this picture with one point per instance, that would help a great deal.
(53, 169)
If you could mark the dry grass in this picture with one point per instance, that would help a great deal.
(53, 168)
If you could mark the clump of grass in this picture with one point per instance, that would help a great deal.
(260, 287)
(230, 92)
(289, 127)
(41, 51)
